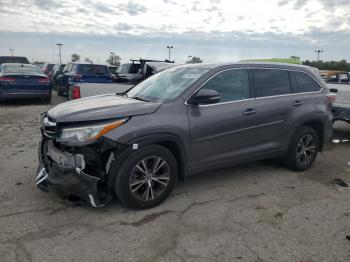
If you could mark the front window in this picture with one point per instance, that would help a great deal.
(166, 85)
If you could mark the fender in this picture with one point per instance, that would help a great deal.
(157, 138)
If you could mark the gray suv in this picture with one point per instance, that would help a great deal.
(180, 122)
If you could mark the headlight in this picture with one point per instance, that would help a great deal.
(87, 134)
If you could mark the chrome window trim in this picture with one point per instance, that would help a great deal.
(255, 98)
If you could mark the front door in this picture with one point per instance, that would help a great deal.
(224, 131)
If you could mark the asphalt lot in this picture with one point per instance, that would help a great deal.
(256, 212)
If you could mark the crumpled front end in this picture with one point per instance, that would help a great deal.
(76, 171)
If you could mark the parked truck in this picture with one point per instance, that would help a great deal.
(127, 76)
(339, 83)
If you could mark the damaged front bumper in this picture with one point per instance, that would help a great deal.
(341, 113)
(64, 173)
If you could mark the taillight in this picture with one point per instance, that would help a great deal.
(77, 77)
(331, 98)
(44, 80)
(76, 92)
(8, 79)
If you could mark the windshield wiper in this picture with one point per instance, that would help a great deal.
(124, 92)
(139, 98)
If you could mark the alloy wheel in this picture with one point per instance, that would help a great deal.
(306, 149)
(149, 178)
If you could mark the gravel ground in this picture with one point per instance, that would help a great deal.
(256, 212)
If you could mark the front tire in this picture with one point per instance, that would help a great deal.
(303, 149)
(146, 178)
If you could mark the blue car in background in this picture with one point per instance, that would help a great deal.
(75, 73)
(24, 81)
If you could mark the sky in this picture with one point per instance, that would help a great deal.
(215, 30)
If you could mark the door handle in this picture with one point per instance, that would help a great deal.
(298, 103)
(249, 111)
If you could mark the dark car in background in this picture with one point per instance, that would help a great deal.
(56, 71)
(13, 59)
(81, 73)
(47, 68)
(181, 121)
(23, 81)
(113, 69)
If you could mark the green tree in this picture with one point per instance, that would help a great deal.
(75, 57)
(341, 65)
(113, 60)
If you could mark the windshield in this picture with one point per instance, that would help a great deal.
(22, 69)
(166, 85)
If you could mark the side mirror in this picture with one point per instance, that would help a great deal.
(333, 90)
(205, 96)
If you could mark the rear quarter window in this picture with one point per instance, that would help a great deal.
(271, 82)
(304, 83)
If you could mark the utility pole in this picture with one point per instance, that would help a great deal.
(318, 54)
(169, 48)
(12, 50)
(59, 51)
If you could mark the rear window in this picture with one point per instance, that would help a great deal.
(304, 83)
(22, 70)
(93, 69)
(13, 59)
(271, 82)
(134, 68)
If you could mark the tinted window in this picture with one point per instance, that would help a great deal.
(13, 69)
(93, 69)
(271, 82)
(13, 59)
(231, 85)
(134, 68)
(305, 83)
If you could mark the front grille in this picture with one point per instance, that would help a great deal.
(49, 127)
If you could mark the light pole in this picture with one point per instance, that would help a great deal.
(12, 50)
(318, 54)
(169, 48)
(59, 51)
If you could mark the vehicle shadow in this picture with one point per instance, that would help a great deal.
(23, 102)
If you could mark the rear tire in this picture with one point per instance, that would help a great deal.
(303, 149)
(146, 178)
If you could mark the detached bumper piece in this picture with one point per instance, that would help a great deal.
(63, 173)
(341, 113)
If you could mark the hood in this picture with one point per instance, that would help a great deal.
(100, 107)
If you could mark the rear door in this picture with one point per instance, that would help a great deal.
(277, 109)
(224, 132)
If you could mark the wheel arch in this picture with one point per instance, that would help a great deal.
(169, 141)
(318, 125)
